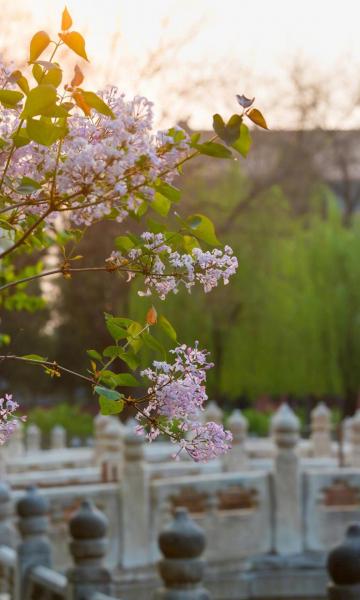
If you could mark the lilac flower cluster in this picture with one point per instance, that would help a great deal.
(177, 396)
(105, 165)
(170, 269)
(8, 421)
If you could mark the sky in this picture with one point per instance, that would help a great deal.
(260, 39)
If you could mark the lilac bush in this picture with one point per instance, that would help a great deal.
(70, 157)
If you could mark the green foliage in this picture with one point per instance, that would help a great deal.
(72, 418)
(258, 422)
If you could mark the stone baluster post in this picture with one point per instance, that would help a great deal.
(347, 429)
(113, 451)
(355, 440)
(88, 547)
(100, 424)
(287, 509)
(135, 492)
(15, 445)
(58, 438)
(343, 567)
(7, 532)
(33, 438)
(182, 569)
(321, 431)
(34, 549)
(236, 459)
(213, 412)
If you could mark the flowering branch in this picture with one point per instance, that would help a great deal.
(95, 157)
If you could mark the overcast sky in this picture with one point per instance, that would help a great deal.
(262, 36)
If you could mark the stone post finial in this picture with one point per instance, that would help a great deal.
(343, 567)
(285, 427)
(236, 459)
(88, 547)
(35, 549)
(287, 512)
(213, 412)
(182, 569)
(58, 438)
(7, 533)
(33, 438)
(321, 430)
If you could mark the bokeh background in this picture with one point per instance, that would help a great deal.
(288, 326)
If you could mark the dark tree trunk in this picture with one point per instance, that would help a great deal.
(350, 403)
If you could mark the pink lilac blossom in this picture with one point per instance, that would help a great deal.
(177, 392)
(171, 269)
(8, 421)
(106, 164)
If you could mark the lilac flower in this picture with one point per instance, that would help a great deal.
(176, 399)
(8, 421)
(171, 269)
(209, 441)
(105, 163)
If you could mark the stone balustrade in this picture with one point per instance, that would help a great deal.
(104, 461)
(27, 574)
(260, 527)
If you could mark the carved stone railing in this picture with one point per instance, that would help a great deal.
(7, 569)
(45, 584)
(26, 573)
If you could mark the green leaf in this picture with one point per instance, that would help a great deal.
(116, 331)
(167, 327)
(203, 228)
(133, 336)
(21, 138)
(109, 394)
(53, 77)
(229, 132)
(214, 149)
(189, 243)
(169, 191)
(126, 380)
(243, 143)
(36, 357)
(97, 103)
(38, 44)
(94, 354)
(38, 99)
(58, 111)
(128, 357)
(37, 72)
(232, 130)
(10, 98)
(219, 125)
(195, 138)
(21, 81)
(124, 243)
(110, 407)
(28, 186)
(43, 132)
(155, 227)
(160, 204)
(154, 344)
(75, 41)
